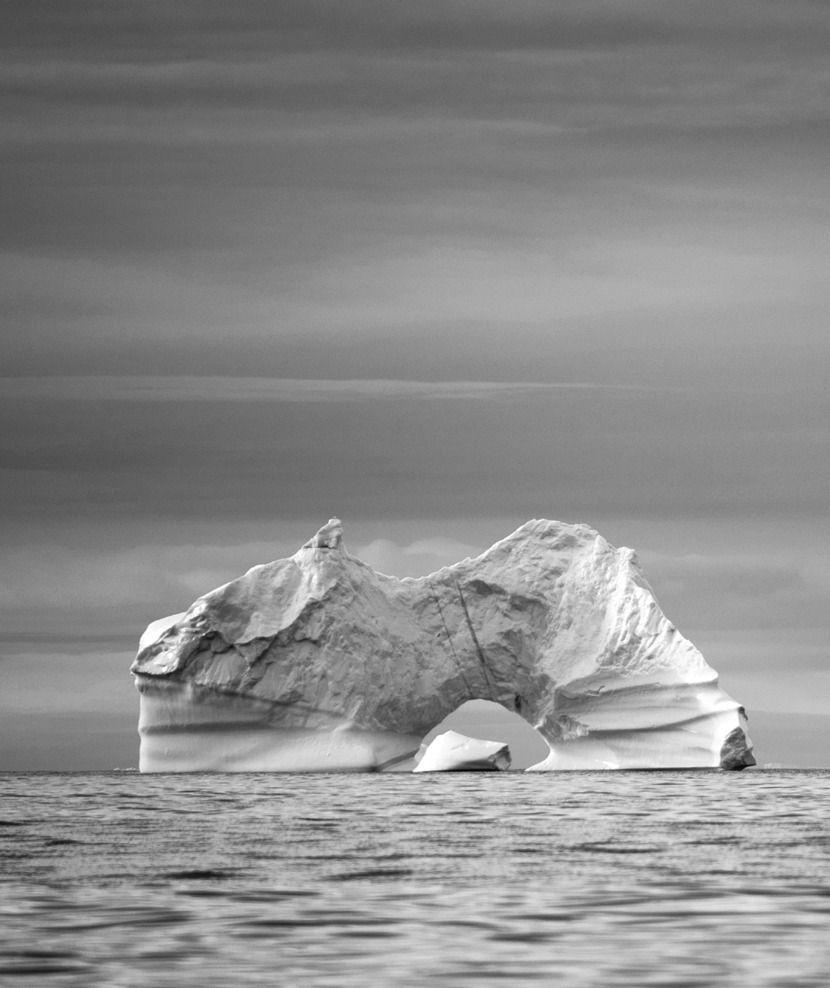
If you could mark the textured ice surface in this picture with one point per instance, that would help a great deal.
(318, 663)
(454, 752)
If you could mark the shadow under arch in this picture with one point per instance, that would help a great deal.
(489, 721)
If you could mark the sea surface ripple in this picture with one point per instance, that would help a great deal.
(579, 879)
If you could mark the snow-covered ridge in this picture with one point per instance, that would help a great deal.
(318, 663)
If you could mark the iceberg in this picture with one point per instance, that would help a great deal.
(454, 752)
(317, 663)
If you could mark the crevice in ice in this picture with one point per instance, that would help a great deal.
(473, 635)
(449, 637)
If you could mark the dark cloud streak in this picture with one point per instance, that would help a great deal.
(160, 28)
(666, 454)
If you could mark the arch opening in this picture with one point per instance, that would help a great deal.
(489, 721)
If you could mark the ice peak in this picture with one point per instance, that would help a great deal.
(330, 536)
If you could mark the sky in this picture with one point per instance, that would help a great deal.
(434, 268)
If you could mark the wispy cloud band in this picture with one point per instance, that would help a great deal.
(192, 388)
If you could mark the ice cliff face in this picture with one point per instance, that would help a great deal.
(318, 663)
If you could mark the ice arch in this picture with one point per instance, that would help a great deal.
(318, 663)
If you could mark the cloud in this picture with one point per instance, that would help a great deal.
(516, 452)
(105, 294)
(179, 388)
(613, 275)
(323, 169)
(608, 62)
(93, 682)
(258, 25)
(419, 558)
(782, 669)
(144, 578)
(746, 591)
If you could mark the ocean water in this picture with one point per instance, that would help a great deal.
(579, 879)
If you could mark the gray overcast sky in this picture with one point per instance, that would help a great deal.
(212, 212)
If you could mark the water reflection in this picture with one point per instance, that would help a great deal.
(579, 879)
